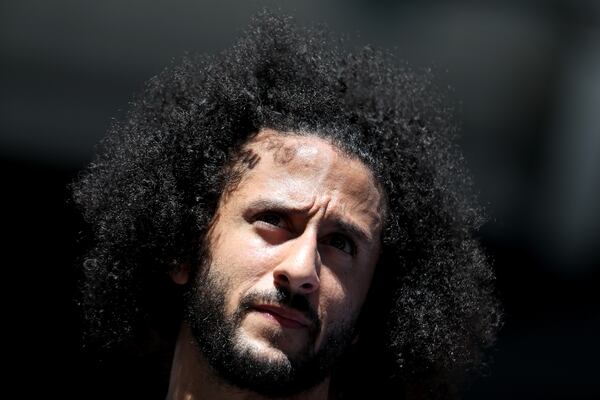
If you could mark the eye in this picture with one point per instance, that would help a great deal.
(342, 243)
(271, 219)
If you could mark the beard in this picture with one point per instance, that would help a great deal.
(241, 364)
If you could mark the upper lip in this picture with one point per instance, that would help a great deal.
(285, 312)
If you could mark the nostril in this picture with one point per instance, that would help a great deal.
(306, 286)
(282, 278)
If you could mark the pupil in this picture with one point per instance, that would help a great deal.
(271, 219)
(338, 242)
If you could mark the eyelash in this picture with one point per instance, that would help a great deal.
(349, 242)
(264, 218)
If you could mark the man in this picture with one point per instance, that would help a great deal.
(292, 252)
(311, 206)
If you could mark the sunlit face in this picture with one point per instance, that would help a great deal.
(294, 247)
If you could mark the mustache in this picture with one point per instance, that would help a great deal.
(283, 297)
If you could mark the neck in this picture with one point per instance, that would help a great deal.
(192, 378)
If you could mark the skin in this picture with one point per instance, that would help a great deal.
(304, 216)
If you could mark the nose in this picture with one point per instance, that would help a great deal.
(300, 268)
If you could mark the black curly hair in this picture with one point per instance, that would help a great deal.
(154, 186)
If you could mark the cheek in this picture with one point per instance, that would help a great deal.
(336, 298)
(343, 294)
(244, 260)
(245, 255)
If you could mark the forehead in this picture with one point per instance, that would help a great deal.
(306, 171)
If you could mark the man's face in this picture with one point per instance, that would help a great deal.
(292, 251)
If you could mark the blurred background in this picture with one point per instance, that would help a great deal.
(527, 74)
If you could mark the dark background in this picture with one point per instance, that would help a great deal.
(528, 76)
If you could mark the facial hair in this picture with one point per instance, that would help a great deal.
(238, 362)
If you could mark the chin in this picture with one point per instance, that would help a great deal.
(271, 341)
(262, 349)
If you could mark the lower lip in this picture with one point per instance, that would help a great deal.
(288, 323)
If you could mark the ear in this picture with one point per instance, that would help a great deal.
(180, 274)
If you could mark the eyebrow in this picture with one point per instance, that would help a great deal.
(353, 230)
(341, 225)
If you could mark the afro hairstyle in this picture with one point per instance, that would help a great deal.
(155, 183)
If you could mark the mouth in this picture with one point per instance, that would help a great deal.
(286, 317)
